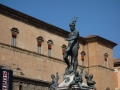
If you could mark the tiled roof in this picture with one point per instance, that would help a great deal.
(116, 62)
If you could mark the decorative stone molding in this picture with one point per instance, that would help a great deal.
(100, 40)
(35, 22)
(39, 40)
(23, 51)
(50, 28)
(34, 54)
(64, 47)
(99, 66)
(29, 84)
(50, 43)
(27, 52)
(14, 31)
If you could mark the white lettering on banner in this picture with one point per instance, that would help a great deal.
(5, 79)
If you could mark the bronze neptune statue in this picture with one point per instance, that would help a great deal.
(72, 79)
(73, 46)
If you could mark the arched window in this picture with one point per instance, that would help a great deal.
(50, 43)
(39, 44)
(14, 32)
(107, 88)
(63, 48)
(82, 57)
(106, 60)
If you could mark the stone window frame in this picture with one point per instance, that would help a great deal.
(82, 57)
(14, 32)
(64, 47)
(50, 43)
(106, 60)
(39, 44)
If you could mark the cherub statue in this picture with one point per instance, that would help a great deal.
(90, 82)
(54, 82)
(77, 79)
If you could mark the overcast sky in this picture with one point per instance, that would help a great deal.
(95, 17)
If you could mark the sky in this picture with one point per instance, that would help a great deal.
(95, 17)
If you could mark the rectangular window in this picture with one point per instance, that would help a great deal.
(39, 49)
(49, 52)
(106, 63)
(82, 62)
(13, 41)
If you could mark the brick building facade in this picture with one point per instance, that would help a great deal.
(33, 49)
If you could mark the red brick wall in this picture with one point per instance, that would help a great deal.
(116, 79)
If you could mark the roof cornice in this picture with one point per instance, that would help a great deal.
(105, 42)
(48, 27)
(35, 22)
